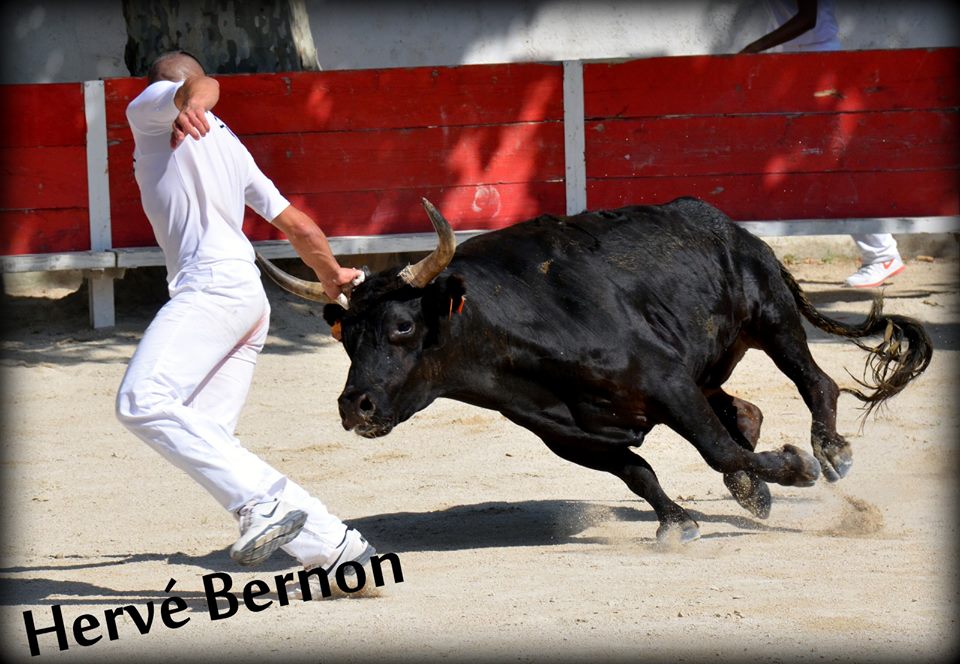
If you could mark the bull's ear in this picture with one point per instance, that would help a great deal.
(332, 313)
(451, 292)
(442, 300)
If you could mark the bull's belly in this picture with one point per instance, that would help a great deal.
(617, 423)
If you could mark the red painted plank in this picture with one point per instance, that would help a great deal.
(708, 145)
(400, 210)
(43, 178)
(335, 162)
(118, 93)
(42, 115)
(128, 224)
(392, 98)
(380, 212)
(373, 162)
(390, 159)
(373, 99)
(43, 231)
(789, 82)
(123, 186)
(793, 196)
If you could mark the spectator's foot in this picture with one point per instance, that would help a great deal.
(873, 275)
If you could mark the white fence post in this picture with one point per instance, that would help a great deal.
(573, 137)
(99, 282)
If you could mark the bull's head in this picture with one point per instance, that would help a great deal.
(389, 331)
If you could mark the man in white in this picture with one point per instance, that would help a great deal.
(809, 25)
(187, 382)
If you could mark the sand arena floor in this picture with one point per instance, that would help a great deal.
(507, 551)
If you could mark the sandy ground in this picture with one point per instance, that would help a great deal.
(507, 552)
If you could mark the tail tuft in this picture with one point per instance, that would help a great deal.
(902, 354)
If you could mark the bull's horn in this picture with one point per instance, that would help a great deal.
(308, 290)
(423, 272)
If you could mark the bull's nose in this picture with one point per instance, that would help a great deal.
(356, 407)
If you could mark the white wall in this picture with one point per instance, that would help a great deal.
(60, 40)
(352, 34)
(53, 41)
(421, 33)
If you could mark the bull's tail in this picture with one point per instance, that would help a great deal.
(903, 353)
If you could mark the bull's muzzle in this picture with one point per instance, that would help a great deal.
(359, 413)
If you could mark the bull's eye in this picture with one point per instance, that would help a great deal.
(401, 331)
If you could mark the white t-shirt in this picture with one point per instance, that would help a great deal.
(823, 37)
(194, 195)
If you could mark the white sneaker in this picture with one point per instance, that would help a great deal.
(873, 275)
(264, 528)
(352, 548)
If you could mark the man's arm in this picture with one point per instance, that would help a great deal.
(311, 245)
(803, 21)
(194, 98)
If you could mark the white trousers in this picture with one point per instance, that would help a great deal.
(185, 387)
(876, 247)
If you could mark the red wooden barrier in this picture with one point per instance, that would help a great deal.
(43, 170)
(790, 136)
(358, 149)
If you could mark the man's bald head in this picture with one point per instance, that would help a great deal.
(174, 66)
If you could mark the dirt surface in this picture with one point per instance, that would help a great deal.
(507, 551)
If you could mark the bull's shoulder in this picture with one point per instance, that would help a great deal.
(699, 211)
(679, 216)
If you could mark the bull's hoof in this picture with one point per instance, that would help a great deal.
(806, 469)
(683, 532)
(835, 457)
(750, 491)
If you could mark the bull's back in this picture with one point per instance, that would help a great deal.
(669, 274)
(685, 240)
(635, 236)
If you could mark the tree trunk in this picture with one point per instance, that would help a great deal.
(226, 36)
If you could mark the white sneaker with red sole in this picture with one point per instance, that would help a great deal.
(873, 275)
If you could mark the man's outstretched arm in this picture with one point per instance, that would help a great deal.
(311, 245)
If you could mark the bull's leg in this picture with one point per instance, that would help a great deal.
(639, 476)
(789, 351)
(741, 418)
(684, 408)
(536, 409)
(742, 421)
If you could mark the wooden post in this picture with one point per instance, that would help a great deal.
(99, 282)
(573, 137)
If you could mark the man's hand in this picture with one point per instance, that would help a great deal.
(342, 283)
(195, 97)
(192, 121)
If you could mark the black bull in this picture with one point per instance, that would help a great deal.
(589, 330)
